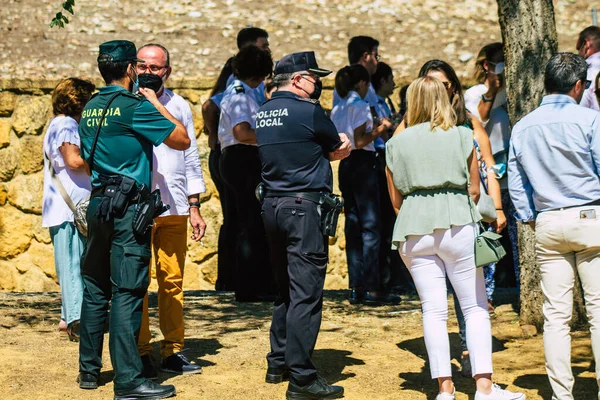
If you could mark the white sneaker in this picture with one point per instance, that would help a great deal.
(446, 396)
(499, 394)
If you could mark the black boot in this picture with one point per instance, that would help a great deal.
(277, 375)
(317, 389)
(147, 390)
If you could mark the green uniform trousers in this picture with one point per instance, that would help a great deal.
(114, 267)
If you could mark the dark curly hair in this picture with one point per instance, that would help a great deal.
(252, 62)
(71, 95)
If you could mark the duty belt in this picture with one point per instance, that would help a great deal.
(315, 197)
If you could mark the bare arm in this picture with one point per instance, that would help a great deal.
(492, 183)
(72, 157)
(178, 139)
(244, 133)
(210, 115)
(473, 177)
(494, 84)
(395, 195)
(363, 138)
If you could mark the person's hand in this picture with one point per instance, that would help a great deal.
(344, 150)
(500, 222)
(149, 94)
(197, 223)
(494, 84)
(386, 124)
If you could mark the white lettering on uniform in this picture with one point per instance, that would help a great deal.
(271, 117)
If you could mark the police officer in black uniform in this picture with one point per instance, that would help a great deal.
(296, 141)
(118, 130)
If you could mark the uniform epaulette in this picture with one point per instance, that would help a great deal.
(239, 89)
(314, 101)
(134, 95)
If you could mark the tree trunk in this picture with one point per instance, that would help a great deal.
(529, 36)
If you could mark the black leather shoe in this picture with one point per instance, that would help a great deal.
(277, 375)
(374, 298)
(87, 381)
(356, 296)
(148, 371)
(147, 390)
(178, 364)
(317, 389)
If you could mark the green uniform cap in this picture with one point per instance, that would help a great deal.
(118, 50)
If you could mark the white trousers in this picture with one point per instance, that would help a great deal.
(567, 245)
(430, 259)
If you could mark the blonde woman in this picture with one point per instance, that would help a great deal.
(435, 230)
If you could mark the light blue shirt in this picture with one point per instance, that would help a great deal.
(554, 157)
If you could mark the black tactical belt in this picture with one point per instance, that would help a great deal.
(315, 197)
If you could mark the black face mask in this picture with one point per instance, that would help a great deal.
(150, 81)
(318, 89)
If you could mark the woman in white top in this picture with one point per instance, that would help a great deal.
(63, 166)
(240, 169)
(488, 103)
(359, 183)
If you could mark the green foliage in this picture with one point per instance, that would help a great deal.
(60, 19)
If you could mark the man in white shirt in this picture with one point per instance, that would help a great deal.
(178, 175)
(588, 46)
(363, 50)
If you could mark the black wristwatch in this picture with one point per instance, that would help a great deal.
(193, 204)
(485, 99)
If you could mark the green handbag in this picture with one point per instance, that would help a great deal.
(488, 248)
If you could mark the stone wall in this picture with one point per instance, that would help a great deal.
(26, 254)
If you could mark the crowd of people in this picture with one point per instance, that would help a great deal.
(411, 185)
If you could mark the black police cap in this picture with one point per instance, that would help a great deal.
(302, 61)
(118, 51)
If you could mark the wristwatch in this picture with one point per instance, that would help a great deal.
(194, 204)
(485, 99)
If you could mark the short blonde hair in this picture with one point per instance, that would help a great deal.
(428, 102)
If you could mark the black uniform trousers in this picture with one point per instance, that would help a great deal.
(114, 268)
(359, 183)
(240, 169)
(298, 252)
(228, 231)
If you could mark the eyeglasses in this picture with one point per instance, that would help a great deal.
(377, 56)
(152, 68)
(588, 84)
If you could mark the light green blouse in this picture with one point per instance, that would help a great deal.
(429, 171)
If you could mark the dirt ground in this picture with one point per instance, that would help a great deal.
(375, 353)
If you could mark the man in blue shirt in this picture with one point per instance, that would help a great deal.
(553, 182)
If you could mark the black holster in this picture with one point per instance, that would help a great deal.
(117, 193)
(149, 207)
(331, 208)
(331, 205)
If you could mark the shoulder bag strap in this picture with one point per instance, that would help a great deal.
(90, 159)
(59, 185)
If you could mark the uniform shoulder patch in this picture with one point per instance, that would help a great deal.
(133, 95)
(239, 89)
